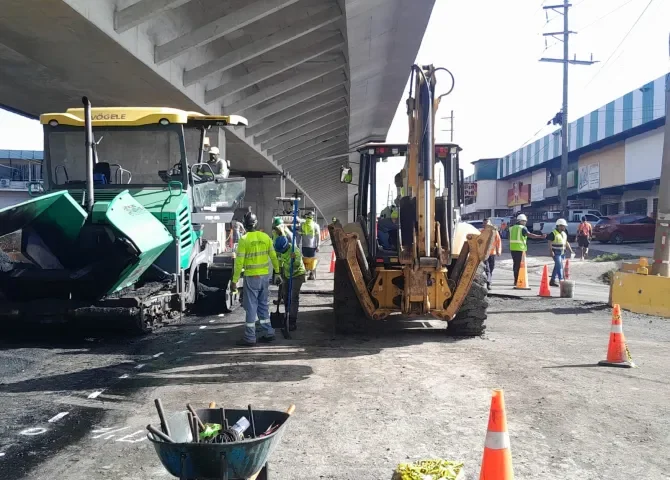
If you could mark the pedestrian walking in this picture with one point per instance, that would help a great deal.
(283, 249)
(254, 253)
(518, 238)
(558, 243)
(496, 250)
(584, 235)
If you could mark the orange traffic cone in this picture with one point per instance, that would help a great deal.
(566, 274)
(544, 284)
(617, 351)
(522, 281)
(497, 460)
(332, 263)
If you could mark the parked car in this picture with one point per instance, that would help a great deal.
(547, 227)
(625, 228)
(478, 224)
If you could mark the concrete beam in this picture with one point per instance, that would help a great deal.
(302, 78)
(311, 143)
(218, 28)
(303, 108)
(303, 120)
(264, 45)
(333, 127)
(294, 157)
(263, 73)
(309, 90)
(309, 162)
(311, 128)
(313, 177)
(142, 11)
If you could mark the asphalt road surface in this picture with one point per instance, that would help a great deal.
(74, 406)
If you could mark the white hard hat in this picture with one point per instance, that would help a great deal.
(522, 218)
(561, 221)
(214, 150)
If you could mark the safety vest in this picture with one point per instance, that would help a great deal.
(253, 252)
(517, 242)
(298, 264)
(310, 234)
(559, 241)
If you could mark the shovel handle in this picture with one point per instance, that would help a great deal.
(212, 404)
(291, 409)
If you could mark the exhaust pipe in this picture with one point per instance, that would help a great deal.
(89, 154)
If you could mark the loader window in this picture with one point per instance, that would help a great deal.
(135, 155)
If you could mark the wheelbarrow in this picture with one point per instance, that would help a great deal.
(242, 460)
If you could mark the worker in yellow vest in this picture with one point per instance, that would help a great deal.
(310, 239)
(283, 248)
(558, 243)
(518, 236)
(254, 252)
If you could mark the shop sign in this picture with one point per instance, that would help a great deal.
(470, 189)
(519, 194)
(589, 177)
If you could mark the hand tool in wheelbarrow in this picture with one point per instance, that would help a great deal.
(222, 461)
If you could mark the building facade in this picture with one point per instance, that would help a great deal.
(17, 169)
(614, 162)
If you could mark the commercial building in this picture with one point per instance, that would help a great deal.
(614, 163)
(17, 169)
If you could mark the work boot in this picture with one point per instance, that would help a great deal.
(311, 275)
(266, 339)
(242, 342)
(554, 284)
(292, 324)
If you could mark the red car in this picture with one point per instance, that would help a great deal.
(625, 228)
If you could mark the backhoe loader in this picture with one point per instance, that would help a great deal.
(433, 268)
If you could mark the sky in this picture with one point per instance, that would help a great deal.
(503, 94)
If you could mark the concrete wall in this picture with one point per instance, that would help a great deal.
(538, 183)
(501, 192)
(260, 196)
(643, 156)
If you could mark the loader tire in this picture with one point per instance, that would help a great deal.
(470, 321)
(349, 316)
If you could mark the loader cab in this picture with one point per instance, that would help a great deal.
(373, 157)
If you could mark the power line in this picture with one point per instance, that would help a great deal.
(620, 43)
(606, 15)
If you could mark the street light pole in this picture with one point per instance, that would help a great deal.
(661, 264)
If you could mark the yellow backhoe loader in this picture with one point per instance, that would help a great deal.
(430, 264)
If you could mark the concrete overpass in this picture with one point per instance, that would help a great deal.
(314, 77)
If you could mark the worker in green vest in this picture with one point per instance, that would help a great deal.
(283, 249)
(518, 236)
(254, 252)
(279, 229)
(558, 243)
(309, 235)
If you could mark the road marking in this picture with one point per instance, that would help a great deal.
(140, 366)
(2, 454)
(58, 417)
(221, 314)
(104, 432)
(203, 327)
(95, 394)
(180, 341)
(212, 321)
(193, 333)
(31, 432)
(125, 375)
(158, 354)
(129, 439)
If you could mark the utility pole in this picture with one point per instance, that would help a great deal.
(451, 124)
(661, 264)
(565, 34)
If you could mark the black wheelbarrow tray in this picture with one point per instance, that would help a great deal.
(224, 461)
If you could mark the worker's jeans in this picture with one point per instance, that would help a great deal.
(489, 265)
(558, 265)
(255, 302)
(296, 284)
(516, 259)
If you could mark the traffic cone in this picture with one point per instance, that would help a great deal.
(497, 459)
(566, 274)
(522, 281)
(617, 351)
(544, 284)
(332, 263)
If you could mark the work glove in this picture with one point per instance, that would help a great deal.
(276, 279)
(233, 287)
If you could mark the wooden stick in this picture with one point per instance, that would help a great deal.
(158, 434)
(190, 409)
